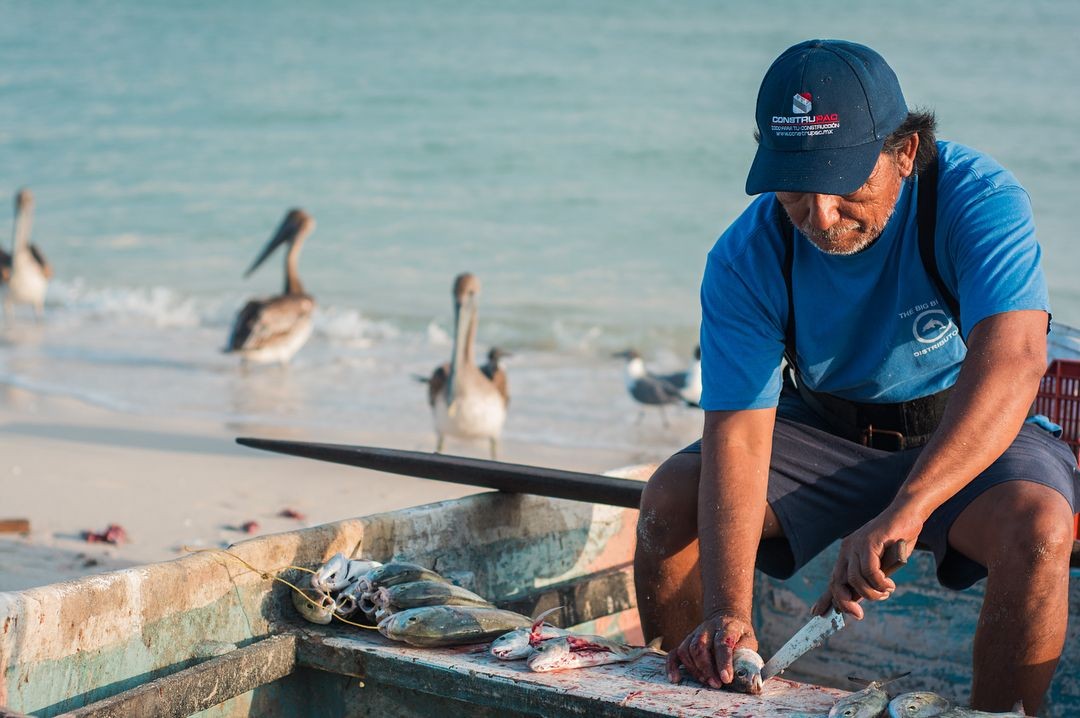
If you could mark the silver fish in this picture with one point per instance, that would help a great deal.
(918, 704)
(425, 593)
(396, 572)
(515, 645)
(870, 702)
(747, 665)
(314, 606)
(340, 572)
(574, 651)
(450, 625)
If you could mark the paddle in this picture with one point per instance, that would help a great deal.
(512, 478)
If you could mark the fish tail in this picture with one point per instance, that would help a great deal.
(654, 646)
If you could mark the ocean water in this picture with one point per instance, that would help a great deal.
(579, 157)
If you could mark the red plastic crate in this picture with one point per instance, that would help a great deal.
(1059, 400)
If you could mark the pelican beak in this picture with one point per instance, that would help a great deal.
(290, 227)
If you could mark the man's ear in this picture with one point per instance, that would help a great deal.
(905, 156)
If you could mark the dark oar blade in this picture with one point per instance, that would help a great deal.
(513, 478)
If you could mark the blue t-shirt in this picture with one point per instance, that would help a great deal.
(869, 326)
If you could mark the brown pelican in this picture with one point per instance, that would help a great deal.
(467, 403)
(648, 388)
(25, 272)
(273, 329)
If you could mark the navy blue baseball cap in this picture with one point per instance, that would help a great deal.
(824, 110)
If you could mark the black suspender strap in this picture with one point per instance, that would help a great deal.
(926, 214)
(787, 233)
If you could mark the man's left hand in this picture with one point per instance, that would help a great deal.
(858, 573)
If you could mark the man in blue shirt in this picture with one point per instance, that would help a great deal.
(913, 321)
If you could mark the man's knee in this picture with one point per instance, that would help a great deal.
(1022, 526)
(668, 517)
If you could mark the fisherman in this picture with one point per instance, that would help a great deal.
(916, 340)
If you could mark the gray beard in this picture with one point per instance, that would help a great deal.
(828, 236)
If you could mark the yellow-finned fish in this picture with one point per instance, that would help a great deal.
(450, 625)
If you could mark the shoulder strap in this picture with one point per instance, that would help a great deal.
(787, 233)
(926, 213)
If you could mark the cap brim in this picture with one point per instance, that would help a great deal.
(825, 171)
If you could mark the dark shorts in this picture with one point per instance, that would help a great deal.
(823, 487)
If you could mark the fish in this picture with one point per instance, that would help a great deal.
(870, 702)
(918, 704)
(425, 593)
(339, 573)
(747, 665)
(396, 572)
(314, 606)
(574, 651)
(450, 625)
(924, 704)
(516, 644)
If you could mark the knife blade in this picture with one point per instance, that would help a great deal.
(819, 628)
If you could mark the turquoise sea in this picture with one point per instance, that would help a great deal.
(579, 157)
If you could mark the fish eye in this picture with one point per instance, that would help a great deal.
(741, 673)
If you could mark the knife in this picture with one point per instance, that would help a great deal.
(819, 628)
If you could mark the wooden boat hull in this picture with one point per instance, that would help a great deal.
(139, 641)
(143, 641)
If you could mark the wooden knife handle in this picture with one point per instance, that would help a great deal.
(895, 557)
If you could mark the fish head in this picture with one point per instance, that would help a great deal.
(918, 704)
(868, 703)
(415, 623)
(512, 645)
(314, 606)
(747, 665)
(551, 655)
(331, 575)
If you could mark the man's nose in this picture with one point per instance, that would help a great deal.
(824, 210)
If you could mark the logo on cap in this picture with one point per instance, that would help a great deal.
(800, 104)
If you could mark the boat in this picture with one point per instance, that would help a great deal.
(212, 631)
(205, 632)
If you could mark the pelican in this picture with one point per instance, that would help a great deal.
(467, 403)
(26, 271)
(648, 388)
(273, 329)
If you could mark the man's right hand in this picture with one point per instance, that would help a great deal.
(706, 653)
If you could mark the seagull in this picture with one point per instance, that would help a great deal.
(648, 388)
(688, 382)
(466, 402)
(273, 329)
(25, 272)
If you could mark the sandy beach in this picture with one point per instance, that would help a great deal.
(70, 468)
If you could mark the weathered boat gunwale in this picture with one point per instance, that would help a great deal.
(202, 686)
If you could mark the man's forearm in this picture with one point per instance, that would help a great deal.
(735, 452)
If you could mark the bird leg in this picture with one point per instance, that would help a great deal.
(494, 447)
(663, 417)
(439, 443)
